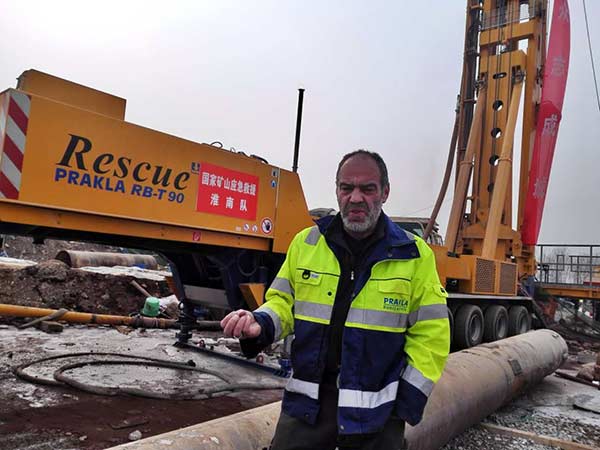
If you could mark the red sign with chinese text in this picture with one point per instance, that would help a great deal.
(227, 192)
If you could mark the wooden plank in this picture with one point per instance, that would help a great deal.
(539, 438)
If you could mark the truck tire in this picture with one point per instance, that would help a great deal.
(495, 323)
(468, 326)
(519, 320)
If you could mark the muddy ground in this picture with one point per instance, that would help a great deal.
(34, 416)
(39, 416)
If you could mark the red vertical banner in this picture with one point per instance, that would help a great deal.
(548, 120)
(227, 192)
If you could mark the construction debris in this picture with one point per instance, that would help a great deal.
(50, 327)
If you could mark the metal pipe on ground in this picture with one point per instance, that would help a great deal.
(79, 317)
(475, 383)
(75, 258)
(478, 381)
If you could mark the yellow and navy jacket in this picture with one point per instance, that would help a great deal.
(396, 334)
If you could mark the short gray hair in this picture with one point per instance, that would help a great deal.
(384, 179)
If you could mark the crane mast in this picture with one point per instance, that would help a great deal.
(505, 47)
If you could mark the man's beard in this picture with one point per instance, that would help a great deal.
(370, 219)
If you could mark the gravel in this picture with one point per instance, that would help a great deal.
(476, 439)
(541, 412)
(538, 422)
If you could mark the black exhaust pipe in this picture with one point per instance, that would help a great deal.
(298, 127)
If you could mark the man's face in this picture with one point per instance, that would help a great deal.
(360, 195)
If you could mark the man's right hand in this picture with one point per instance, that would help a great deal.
(240, 324)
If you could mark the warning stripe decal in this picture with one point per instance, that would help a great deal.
(15, 111)
(9, 169)
(3, 109)
(17, 115)
(6, 188)
(13, 152)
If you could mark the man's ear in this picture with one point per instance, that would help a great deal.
(386, 193)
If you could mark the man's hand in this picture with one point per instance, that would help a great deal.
(240, 324)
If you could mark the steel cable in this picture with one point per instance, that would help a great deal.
(587, 27)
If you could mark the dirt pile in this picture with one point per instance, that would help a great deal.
(24, 248)
(52, 284)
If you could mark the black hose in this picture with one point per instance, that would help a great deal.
(61, 379)
(19, 371)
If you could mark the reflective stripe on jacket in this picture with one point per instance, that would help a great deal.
(396, 335)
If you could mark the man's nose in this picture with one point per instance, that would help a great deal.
(356, 196)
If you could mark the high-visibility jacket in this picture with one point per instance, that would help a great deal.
(396, 336)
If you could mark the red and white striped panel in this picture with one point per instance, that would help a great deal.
(14, 117)
(3, 111)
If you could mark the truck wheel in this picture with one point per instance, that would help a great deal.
(519, 320)
(468, 326)
(495, 323)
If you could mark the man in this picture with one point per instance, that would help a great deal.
(369, 317)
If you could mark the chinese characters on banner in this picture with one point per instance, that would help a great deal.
(227, 192)
(548, 121)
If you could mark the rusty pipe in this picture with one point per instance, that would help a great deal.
(478, 381)
(75, 258)
(475, 383)
(79, 317)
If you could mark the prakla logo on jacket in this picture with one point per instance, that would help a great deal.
(395, 304)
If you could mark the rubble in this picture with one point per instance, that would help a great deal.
(53, 285)
(135, 435)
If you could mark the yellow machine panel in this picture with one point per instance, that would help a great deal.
(78, 161)
(43, 84)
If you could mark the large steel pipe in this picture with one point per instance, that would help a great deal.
(246, 430)
(478, 381)
(76, 258)
(475, 383)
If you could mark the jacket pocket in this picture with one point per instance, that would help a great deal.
(395, 285)
(308, 285)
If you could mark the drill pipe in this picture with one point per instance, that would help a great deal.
(475, 383)
(76, 258)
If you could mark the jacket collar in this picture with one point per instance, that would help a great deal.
(394, 235)
(397, 243)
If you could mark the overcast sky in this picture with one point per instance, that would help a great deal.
(378, 75)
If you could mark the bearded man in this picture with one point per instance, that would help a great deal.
(371, 334)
